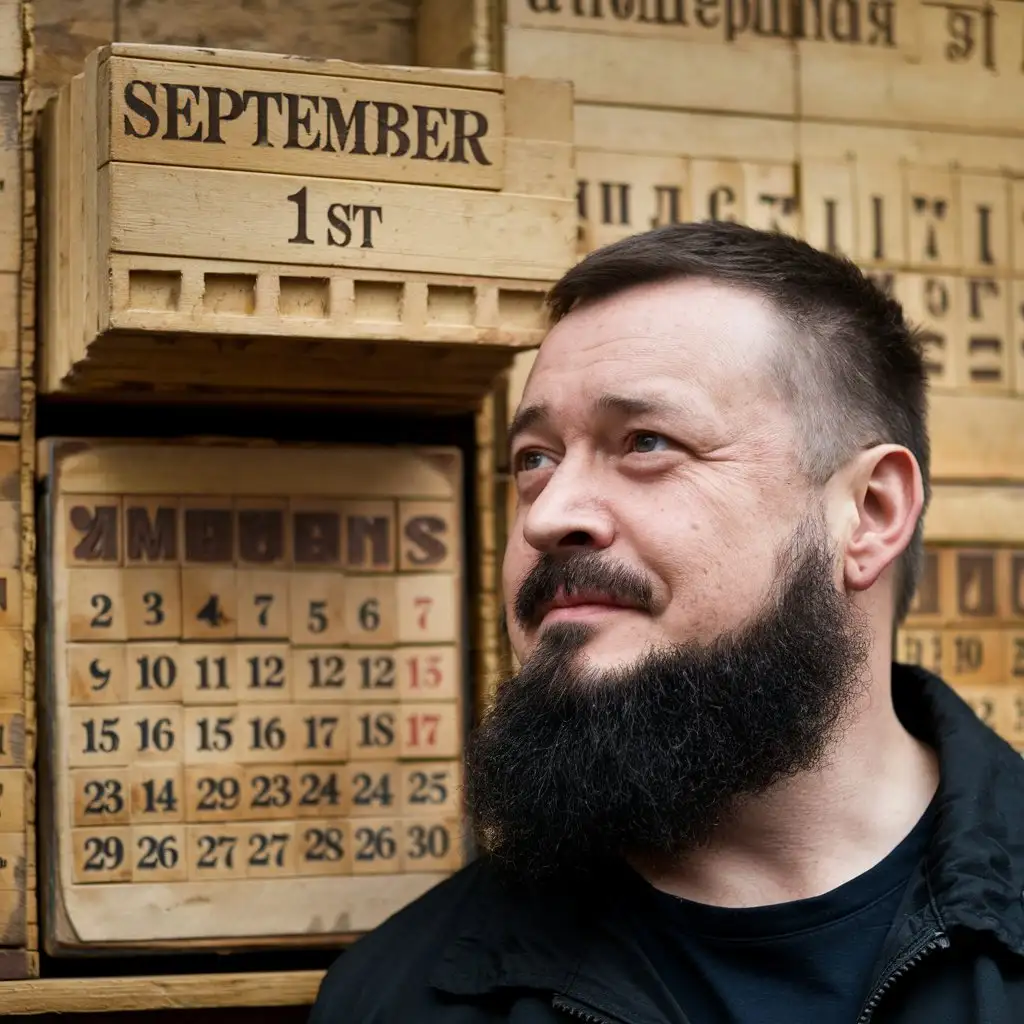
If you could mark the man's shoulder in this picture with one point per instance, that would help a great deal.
(394, 961)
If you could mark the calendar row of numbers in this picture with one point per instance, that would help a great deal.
(965, 656)
(222, 604)
(329, 846)
(224, 674)
(255, 733)
(171, 793)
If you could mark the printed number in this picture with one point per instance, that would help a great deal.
(159, 800)
(154, 608)
(423, 730)
(159, 672)
(428, 788)
(271, 791)
(221, 665)
(429, 842)
(317, 616)
(320, 731)
(267, 849)
(319, 791)
(342, 218)
(263, 602)
(105, 854)
(211, 612)
(422, 606)
(157, 735)
(99, 673)
(969, 654)
(369, 792)
(218, 794)
(377, 730)
(103, 605)
(429, 677)
(369, 614)
(375, 844)
(215, 847)
(157, 853)
(215, 735)
(267, 735)
(377, 673)
(324, 844)
(327, 672)
(104, 797)
(106, 741)
(273, 675)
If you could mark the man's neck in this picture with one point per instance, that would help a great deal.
(819, 829)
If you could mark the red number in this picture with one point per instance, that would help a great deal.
(423, 730)
(423, 605)
(431, 677)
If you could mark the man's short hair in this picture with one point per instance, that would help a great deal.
(852, 368)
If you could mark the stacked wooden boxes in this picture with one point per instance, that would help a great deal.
(230, 218)
(18, 921)
(888, 130)
(258, 655)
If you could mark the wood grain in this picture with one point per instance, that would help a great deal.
(165, 992)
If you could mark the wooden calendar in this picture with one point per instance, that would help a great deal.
(255, 689)
(967, 625)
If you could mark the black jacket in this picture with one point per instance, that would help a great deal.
(475, 951)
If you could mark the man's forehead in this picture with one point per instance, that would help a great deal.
(686, 324)
(678, 341)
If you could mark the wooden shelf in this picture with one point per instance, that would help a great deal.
(170, 992)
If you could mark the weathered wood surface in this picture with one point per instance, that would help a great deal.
(374, 31)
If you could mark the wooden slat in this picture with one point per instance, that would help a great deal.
(279, 62)
(208, 214)
(658, 72)
(170, 992)
(196, 115)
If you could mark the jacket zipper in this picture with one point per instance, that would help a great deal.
(574, 1009)
(937, 940)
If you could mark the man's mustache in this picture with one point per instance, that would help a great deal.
(576, 573)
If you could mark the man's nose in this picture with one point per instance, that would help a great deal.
(570, 512)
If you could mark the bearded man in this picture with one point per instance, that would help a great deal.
(709, 796)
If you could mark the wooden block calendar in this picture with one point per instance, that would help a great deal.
(255, 689)
(210, 214)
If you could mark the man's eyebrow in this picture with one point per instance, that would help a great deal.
(530, 416)
(527, 417)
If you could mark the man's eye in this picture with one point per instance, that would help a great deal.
(529, 460)
(644, 442)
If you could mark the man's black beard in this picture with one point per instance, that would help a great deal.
(573, 768)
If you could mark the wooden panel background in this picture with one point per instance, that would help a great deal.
(373, 31)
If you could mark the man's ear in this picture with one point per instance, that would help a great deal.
(887, 493)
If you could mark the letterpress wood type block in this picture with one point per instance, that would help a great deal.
(620, 194)
(260, 676)
(934, 303)
(994, 705)
(373, 181)
(984, 364)
(829, 206)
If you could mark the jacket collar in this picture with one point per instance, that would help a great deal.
(973, 876)
(568, 942)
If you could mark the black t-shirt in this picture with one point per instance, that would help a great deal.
(806, 961)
